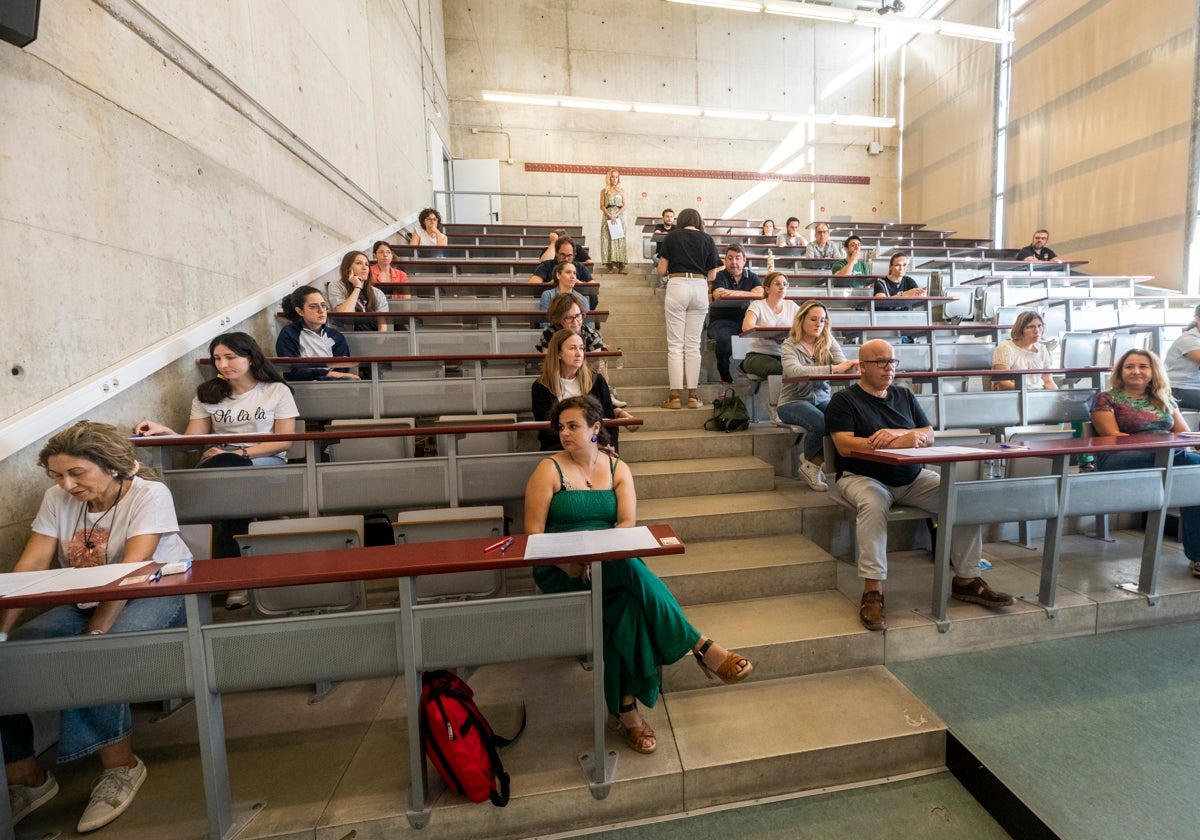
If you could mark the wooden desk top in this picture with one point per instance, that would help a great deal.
(330, 566)
(1037, 449)
(957, 374)
(481, 283)
(477, 315)
(770, 332)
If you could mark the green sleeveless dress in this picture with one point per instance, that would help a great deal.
(644, 626)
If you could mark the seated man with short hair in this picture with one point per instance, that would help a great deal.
(734, 282)
(1038, 250)
(876, 414)
(564, 251)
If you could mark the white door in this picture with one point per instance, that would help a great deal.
(476, 176)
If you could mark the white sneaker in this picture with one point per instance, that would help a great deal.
(237, 599)
(775, 421)
(1195, 566)
(111, 795)
(813, 474)
(23, 800)
(617, 401)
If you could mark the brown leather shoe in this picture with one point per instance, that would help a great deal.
(871, 612)
(976, 591)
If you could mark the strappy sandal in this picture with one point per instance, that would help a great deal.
(640, 738)
(733, 669)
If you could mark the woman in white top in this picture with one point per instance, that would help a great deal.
(104, 508)
(773, 310)
(1183, 365)
(429, 234)
(353, 291)
(1024, 351)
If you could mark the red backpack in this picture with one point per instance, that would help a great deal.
(457, 739)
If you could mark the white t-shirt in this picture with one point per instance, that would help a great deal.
(1013, 357)
(568, 388)
(253, 412)
(1182, 371)
(767, 318)
(145, 507)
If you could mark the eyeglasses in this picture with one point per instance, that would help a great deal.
(576, 317)
(317, 307)
(882, 364)
(822, 230)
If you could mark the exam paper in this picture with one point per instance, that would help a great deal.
(573, 543)
(63, 580)
(925, 452)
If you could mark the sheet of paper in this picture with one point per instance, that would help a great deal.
(573, 543)
(927, 451)
(63, 580)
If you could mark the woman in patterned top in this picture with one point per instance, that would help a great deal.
(1139, 401)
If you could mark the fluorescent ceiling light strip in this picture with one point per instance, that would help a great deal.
(727, 114)
(977, 33)
(673, 110)
(594, 104)
(839, 15)
(804, 10)
(931, 27)
(732, 5)
(518, 98)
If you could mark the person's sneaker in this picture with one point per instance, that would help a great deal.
(1196, 568)
(813, 474)
(617, 401)
(871, 612)
(24, 800)
(237, 599)
(111, 795)
(976, 591)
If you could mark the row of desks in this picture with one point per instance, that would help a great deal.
(206, 660)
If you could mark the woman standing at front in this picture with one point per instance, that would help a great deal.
(612, 226)
(584, 488)
(689, 260)
(1139, 401)
(104, 508)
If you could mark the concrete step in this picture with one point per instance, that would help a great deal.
(775, 736)
(638, 376)
(702, 477)
(711, 517)
(633, 342)
(783, 635)
(671, 445)
(713, 571)
(638, 358)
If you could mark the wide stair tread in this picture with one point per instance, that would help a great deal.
(702, 476)
(711, 517)
(775, 736)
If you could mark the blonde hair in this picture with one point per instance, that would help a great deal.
(102, 444)
(821, 353)
(1159, 389)
(552, 365)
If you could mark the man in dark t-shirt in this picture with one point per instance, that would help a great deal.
(1038, 250)
(877, 414)
(735, 282)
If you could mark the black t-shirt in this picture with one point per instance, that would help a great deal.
(545, 270)
(1045, 256)
(690, 251)
(748, 282)
(854, 410)
(884, 286)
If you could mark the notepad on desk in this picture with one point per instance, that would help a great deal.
(938, 451)
(573, 543)
(64, 580)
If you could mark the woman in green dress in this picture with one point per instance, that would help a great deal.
(584, 488)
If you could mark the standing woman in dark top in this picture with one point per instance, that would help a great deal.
(689, 260)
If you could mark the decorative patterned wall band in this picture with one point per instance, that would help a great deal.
(712, 174)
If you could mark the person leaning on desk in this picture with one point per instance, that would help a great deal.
(1139, 401)
(104, 508)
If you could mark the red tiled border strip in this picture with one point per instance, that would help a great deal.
(712, 174)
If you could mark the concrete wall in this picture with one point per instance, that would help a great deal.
(158, 169)
(660, 52)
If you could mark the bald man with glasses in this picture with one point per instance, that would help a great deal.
(822, 248)
(875, 413)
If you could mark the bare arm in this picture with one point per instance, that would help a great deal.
(1105, 424)
(626, 497)
(750, 320)
(848, 444)
(663, 270)
(1180, 424)
(138, 549)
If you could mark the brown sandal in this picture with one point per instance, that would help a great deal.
(733, 669)
(640, 738)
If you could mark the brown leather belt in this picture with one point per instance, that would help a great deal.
(685, 274)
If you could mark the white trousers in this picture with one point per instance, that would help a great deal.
(686, 305)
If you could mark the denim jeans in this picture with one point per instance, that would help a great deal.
(811, 416)
(83, 731)
(1189, 517)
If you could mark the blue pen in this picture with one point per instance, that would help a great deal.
(156, 577)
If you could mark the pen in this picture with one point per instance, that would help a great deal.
(502, 545)
(156, 577)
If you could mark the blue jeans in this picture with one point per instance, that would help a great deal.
(83, 731)
(722, 332)
(1189, 517)
(812, 417)
(1187, 397)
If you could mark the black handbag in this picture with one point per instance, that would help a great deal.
(729, 414)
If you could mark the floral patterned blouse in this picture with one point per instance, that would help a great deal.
(1134, 415)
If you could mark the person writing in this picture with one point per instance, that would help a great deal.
(1139, 402)
(310, 336)
(1024, 351)
(565, 374)
(353, 291)
(585, 487)
(810, 350)
(104, 508)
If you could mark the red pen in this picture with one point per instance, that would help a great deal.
(503, 544)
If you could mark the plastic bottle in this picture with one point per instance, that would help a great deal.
(770, 261)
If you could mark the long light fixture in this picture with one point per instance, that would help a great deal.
(857, 120)
(835, 14)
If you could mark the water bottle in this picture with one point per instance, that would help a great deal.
(993, 468)
(770, 261)
(620, 359)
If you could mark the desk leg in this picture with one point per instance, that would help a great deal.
(1155, 522)
(1052, 547)
(6, 826)
(947, 502)
(600, 765)
(420, 805)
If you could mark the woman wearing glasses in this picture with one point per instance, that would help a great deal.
(310, 336)
(1024, 351)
